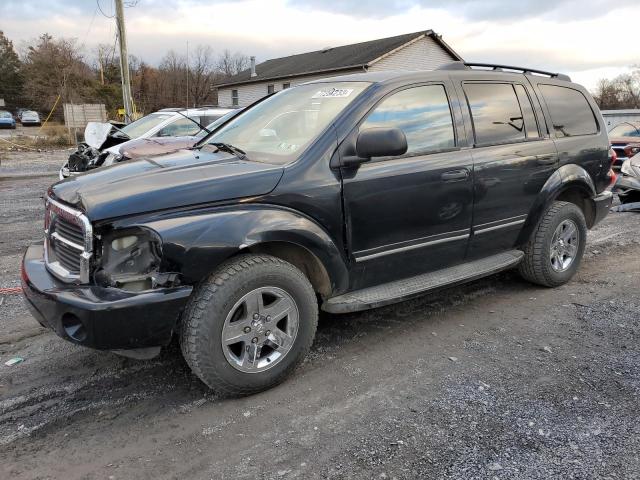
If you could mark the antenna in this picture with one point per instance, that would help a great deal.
(187, 76)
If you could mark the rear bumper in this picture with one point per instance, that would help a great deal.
(602, 205)
(99, 317)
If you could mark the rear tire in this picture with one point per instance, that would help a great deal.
(554, 252)
(228, 336)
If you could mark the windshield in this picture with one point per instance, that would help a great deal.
(5, 115)
(278, 129)
(624, 130)
(143, 125)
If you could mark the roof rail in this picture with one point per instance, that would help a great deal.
(500, 68)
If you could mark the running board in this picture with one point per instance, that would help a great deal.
(401, 290)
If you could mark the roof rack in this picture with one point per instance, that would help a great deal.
(500, 68)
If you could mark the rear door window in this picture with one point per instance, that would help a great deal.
(422, 113)
(570, 112)
(496, 113)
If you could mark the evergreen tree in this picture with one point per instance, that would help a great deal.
(11, 80)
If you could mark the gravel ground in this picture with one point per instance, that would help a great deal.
(497, 379)
(29, 163)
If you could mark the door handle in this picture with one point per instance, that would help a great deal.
(455, 175)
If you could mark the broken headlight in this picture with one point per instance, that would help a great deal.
(130, 260)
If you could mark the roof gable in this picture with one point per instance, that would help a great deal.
(356, 55)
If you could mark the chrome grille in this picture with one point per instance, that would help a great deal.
(68, 243)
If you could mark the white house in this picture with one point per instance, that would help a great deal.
(413, 51)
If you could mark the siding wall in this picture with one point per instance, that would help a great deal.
(423, 54)
(247, 94)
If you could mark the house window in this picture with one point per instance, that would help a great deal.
(234, 98)
(286, 85)
(270, 89)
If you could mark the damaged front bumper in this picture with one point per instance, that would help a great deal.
(626, 184)
(104, 318)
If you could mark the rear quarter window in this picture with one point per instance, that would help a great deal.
(570, 112)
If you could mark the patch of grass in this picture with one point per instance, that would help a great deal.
(51, 136)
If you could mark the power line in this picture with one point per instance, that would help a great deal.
(95, 11)
(102, 11)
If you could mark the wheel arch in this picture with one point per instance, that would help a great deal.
(301, 258)
(570, 183)
(196, 243)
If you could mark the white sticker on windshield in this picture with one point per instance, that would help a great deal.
(333, 93)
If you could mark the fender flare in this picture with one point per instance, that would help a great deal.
(569, 176)
(195, 242)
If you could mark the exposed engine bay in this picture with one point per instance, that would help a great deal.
(92, 153)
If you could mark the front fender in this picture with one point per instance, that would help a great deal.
(569, 176)
(195, 242)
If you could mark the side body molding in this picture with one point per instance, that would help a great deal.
(195, 242)
(569, 176)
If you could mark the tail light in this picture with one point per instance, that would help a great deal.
(613, 156)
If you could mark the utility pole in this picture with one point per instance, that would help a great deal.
(124, 62)
(101, 65)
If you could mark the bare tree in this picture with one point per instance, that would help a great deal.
(620, 92)
(201, 74)
(173, 68)
(231, 64)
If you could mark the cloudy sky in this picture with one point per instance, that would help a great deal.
(584, 38)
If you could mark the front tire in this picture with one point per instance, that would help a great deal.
(249, 324)
(554, 252)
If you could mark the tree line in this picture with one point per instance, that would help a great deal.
(48, 68)
(620, 92)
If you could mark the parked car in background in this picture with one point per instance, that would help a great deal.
(19, 112)
(148, 147)
(356, 191)
(627, 184)
(7, 120)
(29, 117)
(100, 146)
(625, 140)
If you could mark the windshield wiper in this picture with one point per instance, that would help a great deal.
(202, 127)
(227, 147)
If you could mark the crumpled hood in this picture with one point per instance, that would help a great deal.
(183, 178)
(96, 133)
(144, 147)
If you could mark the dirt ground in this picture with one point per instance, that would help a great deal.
(497, 379)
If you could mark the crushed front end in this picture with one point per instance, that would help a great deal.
(101, 290)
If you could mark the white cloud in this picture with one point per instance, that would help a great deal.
(584, 45)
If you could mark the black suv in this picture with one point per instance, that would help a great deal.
(349, 193)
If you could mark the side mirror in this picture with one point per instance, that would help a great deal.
(381, 142)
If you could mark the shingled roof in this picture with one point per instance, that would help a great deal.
(346, 57)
